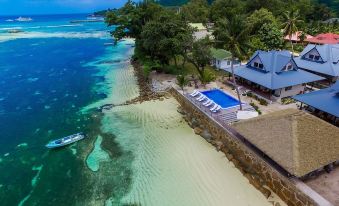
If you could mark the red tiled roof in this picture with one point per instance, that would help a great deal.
(328, 38)
(296, 36)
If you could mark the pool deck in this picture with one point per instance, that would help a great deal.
(225, 116)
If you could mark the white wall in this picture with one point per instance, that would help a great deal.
(297, 89)
(201, 34)
(224, 64)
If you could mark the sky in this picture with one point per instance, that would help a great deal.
(22, 7)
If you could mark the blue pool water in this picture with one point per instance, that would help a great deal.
(221, 98)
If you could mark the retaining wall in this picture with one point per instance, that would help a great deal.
(254, 167)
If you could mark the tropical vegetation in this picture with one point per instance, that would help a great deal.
(165, 41)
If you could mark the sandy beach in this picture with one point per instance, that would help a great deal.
(172, 165)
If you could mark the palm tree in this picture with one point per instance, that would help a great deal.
(182, 82)
(292, 19)
(233, 35)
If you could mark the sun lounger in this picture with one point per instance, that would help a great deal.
(202, 98)
(216, 109)
(209, 104)
(199, 97)
(194, 93)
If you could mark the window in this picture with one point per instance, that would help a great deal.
(228, 62)
(258, 65)
(288, 88)
(314, 57)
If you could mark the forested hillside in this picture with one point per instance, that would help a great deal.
(175, 2)
(333, 4)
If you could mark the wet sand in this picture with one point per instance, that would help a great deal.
(172, 165)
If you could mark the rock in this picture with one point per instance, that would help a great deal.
(197, 130)
(267, 193)
(219, 145)
(161, 99)
(194, 122)
(206, 135)
(181, 111)
(229, 156)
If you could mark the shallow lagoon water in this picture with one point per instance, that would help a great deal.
(140, 154)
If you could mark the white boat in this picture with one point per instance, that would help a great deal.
(9, 20)
(65, 141)
(24, 19)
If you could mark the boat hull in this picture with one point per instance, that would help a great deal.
(65, 141)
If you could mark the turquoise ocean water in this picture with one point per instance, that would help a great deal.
(53, 77)
(48, 74)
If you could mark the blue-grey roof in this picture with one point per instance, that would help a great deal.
(272, 76)
(329, 54)
(326, 100)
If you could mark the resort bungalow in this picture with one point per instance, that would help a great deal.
(274, 75)
(222, 59)
(296, 141)
(328, 38)
(296, 37)
(323, 103)
(201, 31)
(322, 60)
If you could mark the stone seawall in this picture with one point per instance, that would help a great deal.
(258, 171)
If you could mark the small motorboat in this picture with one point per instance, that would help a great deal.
(65, 141)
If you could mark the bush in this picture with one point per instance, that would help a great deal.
(263, 102)
(256, 108)
(249, 94)
(260, 100)
(287, 100)
(147, 70)
(207, 77)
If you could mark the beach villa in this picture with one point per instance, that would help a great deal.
(201, 31)
(298, 142)
(274, 75)
(296, 37)
(328, 38)
(222, 59)
(323, 103)
(322, 60)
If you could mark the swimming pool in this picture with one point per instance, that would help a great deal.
(221, 98)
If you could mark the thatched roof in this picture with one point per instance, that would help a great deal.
(297, 141)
